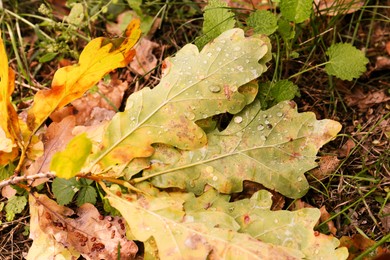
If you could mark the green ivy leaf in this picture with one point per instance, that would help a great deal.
(217, 19)
(263, 22)
(296, 10)
(15, 205)
(64, 190)
(345, 61)
(67, 163)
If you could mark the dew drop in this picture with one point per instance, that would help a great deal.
(204, 116)
(246, 61)
(192, 183)
(276, 221)
(279, 114)
(237, 48)
(219, 49)
(215, 178)
(237, 119)
(266, 122)
(209, 54)
(240, 68)
(215, 89)
(263, 137)
(260, 127)
(299, 179)
(132, 118)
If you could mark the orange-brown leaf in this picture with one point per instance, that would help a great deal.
(71, 82)
(9, 124)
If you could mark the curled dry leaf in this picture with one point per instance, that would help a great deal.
(327, 165)
(69, 83)
(90, 234)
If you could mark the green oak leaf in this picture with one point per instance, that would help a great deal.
(273, 147)
(196, 85)
(345, 61)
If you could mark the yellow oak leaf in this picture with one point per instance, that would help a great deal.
(9, 123)
(97, 59)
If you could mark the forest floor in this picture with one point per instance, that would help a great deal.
(352, 184)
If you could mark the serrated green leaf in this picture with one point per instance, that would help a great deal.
(271, 94)
(217, 19)
(87, 194)
(292, 229)
(161, 218)
(273, 147)
(196, 86)
(296, 10)
(345, 61)
(64, 190)
(285, 29)
(67, 163)
(263, 22)
(15, 205)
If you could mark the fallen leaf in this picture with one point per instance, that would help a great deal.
(90, 234)
(336, 7)
(9, 122)
(385, 218)
(69, 83)
(161, 218)
(324, 217)
(328, 164)
(247, 150)
(55, 139)
(357, 244)
(365, 100)
(144, 60)
(382, 63)
(196, 85)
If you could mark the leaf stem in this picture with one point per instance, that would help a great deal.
(309, 69)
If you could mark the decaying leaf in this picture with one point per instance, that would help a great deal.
(196, 85)
(9, 122)
(69, 83)
(177, 236)
(93, 236)
(273, 147)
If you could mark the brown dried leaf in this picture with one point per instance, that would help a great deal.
(327, 165)
(357, 244)
(55, 139)
(324, 217)
(385, 218)
(335, 7)
(365, 100)
(144, 60)
(90, 234)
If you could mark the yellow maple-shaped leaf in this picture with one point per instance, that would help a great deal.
(97, 59)
(9, 124)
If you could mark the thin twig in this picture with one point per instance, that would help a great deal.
(18, 179)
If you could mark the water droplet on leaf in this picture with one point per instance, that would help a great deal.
(260, 127)
(215, 89)
(237, 119)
